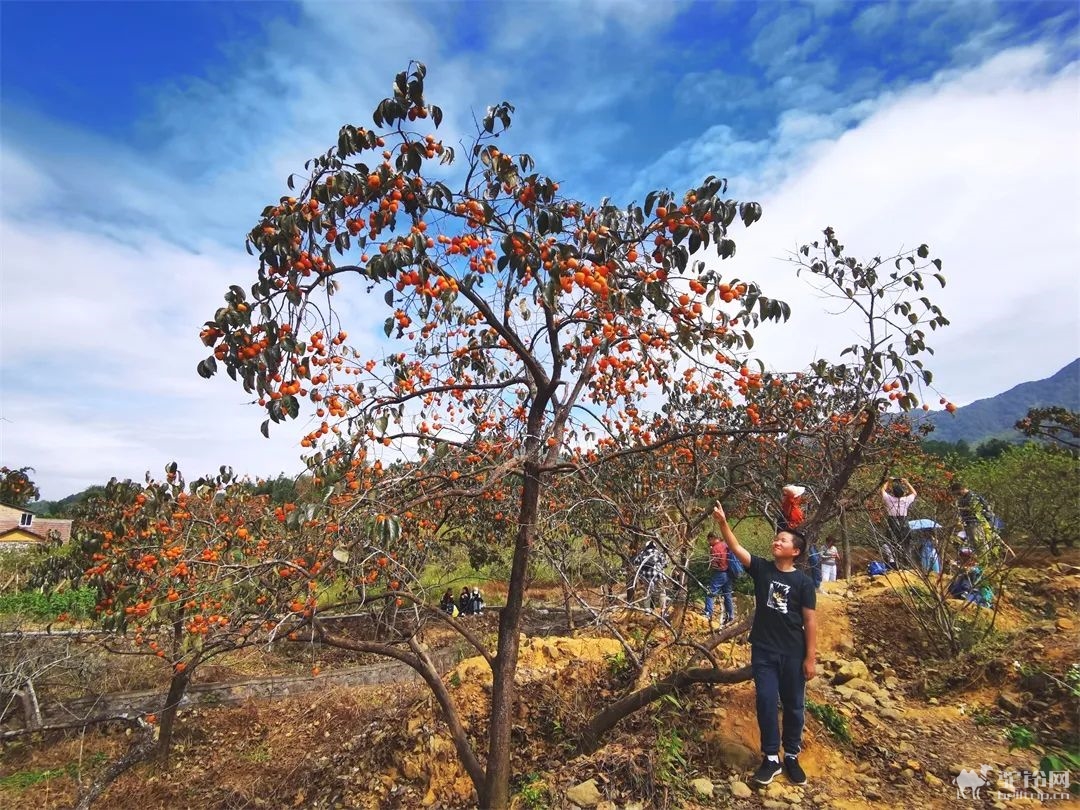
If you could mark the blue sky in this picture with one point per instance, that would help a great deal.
(139, 141)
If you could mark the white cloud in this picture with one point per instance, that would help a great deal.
(981, 165)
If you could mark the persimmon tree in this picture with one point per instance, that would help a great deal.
(523, 317)
(828, 426)
(16, 486)
(1053, 424)
(187, 573)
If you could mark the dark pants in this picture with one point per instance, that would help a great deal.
(778, 679)
(720, 583)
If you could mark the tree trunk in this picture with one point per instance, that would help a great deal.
(177, 689)
(604, 721)
(568, 604)
(140, 748)
(496, 795)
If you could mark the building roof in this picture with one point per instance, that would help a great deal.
(39, 526)
(4, 534)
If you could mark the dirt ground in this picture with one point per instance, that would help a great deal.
(384, 747)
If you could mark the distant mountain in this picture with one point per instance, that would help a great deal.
(996, 416)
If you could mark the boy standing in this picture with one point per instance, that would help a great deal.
(783, 646)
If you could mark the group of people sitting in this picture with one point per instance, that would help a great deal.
(468, 603)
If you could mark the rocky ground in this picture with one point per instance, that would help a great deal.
(914, 720)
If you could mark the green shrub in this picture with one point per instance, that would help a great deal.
(76, 603)
(834, 722)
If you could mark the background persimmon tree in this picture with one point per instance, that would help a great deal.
(522, 318)
(187, 573)
(16, 486)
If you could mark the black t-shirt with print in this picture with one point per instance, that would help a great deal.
(781, 597)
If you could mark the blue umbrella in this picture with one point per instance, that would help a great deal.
(922, 523)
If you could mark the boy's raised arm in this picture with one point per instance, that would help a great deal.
(729, 536)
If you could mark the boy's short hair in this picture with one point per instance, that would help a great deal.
(956, 486)
(897, 490)
(798, 539)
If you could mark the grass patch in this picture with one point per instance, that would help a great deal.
(21, 780)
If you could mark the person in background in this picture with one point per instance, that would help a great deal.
(719, 580)
(447, 604)
(477, 601)
(898, 494)
(464, 602)
(928, 555)
(813, 558)
(648, 571)
(830, 560)
(783, 646)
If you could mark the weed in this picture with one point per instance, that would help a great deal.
(617, 664)
(1019, 737)
(981, 716)
(21, 780)
(670, 761)
(834, 722)
(258, 755)
(534, 793)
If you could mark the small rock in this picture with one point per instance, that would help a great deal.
(734, 754)
(585, 795)
(908, 773)
(606, 805)
(773, 804)
(774, 790)
(702, 786)
(850, 670)
(741, 790)
(933, 701)
(872, 795)
(954, 770)
(932, 780)
(1064, 625)
(1010, 703)
(1004, 787)
(869, 719)
(864, 700)
(914, 764)
(891, 715)
(859, 685)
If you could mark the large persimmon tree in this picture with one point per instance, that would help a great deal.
(837, 426)
(521, 316)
